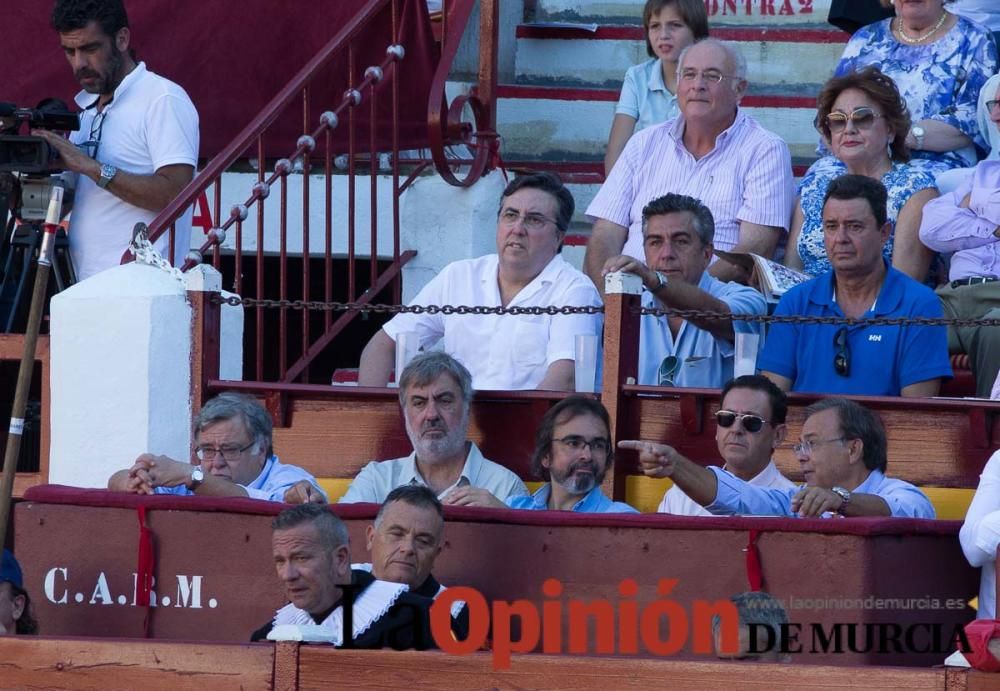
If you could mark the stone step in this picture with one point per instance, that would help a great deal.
(781, 61)
(572, 124)
(584, 180)
(781, 13)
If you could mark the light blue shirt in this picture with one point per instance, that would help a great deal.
(645, 97)
(593, 502)
(705, 361)
(274, 480)
(734, 496)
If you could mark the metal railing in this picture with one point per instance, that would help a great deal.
(336, 148)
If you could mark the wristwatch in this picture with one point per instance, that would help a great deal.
(845, 498)
(108, 173)
(197, 477)
(918, 133)
(661, 280)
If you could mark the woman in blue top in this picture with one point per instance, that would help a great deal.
(939, 62)
(648, 93)
(864, 122)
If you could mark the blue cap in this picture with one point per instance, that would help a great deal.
(10, 570)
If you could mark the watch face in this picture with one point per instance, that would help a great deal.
(108, 171)
(917, 131)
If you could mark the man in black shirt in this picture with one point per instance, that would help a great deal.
(405, 540)
(312, 557)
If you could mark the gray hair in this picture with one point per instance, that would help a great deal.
(670, 203)
(332, 531)
(427, 367)
(734, 54)
(229, 405)
(858, 422)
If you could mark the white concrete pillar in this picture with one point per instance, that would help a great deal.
(446, 223)
(120, 373)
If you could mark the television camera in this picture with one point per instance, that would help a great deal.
(29, 170)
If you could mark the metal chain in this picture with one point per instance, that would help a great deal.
(145, 253)
(316, 305)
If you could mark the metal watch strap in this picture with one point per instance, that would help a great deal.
(845, 497)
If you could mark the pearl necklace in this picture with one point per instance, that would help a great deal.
(918, 39)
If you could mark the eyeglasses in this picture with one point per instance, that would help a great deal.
(863, 119)
(668, 370)
(990, 105)
(842, 358)
(228, 452)
(598, 445)
(751, 423)
(93, 143)
(710, 76)
(531, 221)
(805, 447)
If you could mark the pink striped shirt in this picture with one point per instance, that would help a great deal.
(746, 177)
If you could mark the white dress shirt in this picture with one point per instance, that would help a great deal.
(980, 535)
(503, 352)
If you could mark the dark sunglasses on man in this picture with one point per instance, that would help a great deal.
(751, 423)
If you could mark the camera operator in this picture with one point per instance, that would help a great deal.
(137, 146)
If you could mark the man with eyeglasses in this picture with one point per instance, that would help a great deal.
(573, 453)
(714, 152)
(842, 453)
(677, 236)
(750, 425)
(237, 460)
(857, 359)
(504, 351)
(966, 224)
(137, 146)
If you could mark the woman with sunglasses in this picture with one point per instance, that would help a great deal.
(648, 95)
(939, 61)
(864, 122)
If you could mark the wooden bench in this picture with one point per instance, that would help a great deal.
(77, 663)
(939, 444)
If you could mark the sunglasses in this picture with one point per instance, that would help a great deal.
(841, 358)
(668, 370)
(990, 105)
(751, 423)
(863, 119)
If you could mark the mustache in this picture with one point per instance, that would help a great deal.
(589, 466)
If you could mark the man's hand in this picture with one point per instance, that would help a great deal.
(72, 158)
(472, 496)
(813, 502)
(163, 471)
(631, 265)
(656, 460)
(303, 492)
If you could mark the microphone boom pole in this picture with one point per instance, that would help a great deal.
(16, 432)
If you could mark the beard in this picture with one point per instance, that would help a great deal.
(430, 449)
(105, 82)
(579, 484)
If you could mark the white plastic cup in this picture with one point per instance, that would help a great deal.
(746, 354)
(585, 369)
(407, 346)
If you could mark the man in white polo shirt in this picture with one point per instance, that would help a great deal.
(504, 352)
(435, 391)
(713, 152)
(137, 146)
